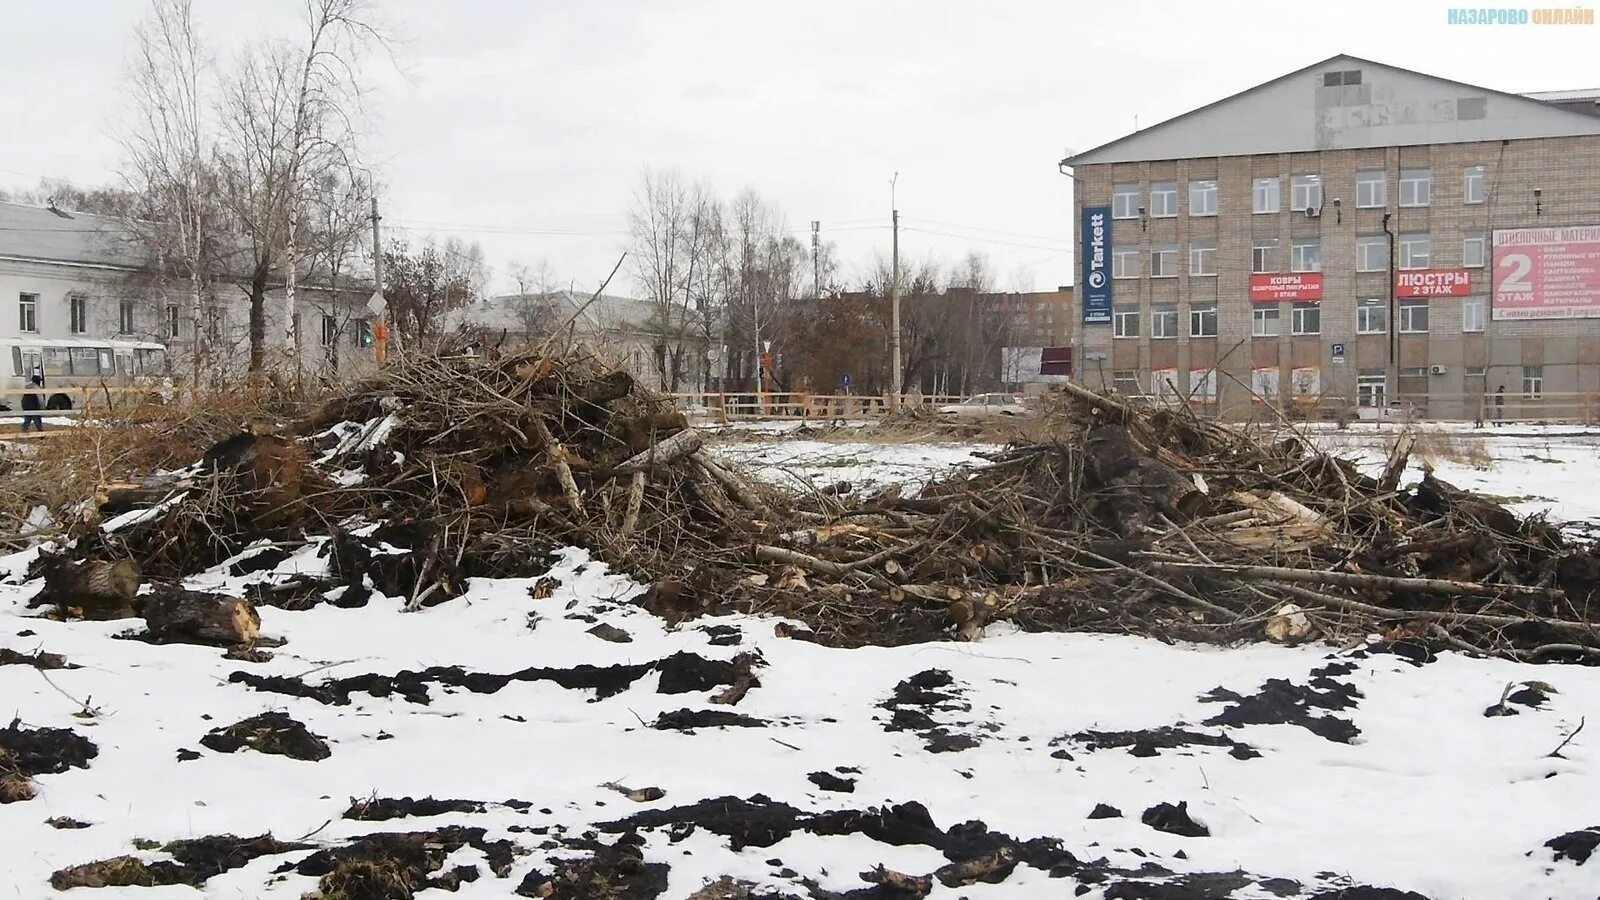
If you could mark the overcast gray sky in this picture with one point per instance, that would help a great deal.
(516, 117)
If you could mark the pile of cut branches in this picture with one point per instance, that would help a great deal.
(1126, 520)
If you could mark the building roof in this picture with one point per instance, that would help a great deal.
(1302, 112)
(58, 236)
(1565, 96)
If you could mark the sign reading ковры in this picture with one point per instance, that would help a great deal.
(1547, 273)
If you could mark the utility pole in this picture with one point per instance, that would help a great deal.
(816, 273)
(378, 305)
(894, 300)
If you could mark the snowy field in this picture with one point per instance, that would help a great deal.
(593, 751)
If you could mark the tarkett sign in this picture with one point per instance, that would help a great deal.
(1433, 283)
(1547, 273)
(1096, 235)
(1296, 286)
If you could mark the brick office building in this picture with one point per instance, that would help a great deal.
(1346, 234)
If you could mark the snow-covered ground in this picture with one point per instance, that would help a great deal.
(1313, 770)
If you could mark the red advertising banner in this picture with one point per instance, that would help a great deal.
(1055, 361)
(1547, 273)
(1433, 283)
(1296, 286)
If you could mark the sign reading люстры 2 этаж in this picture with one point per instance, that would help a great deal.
(1547, 273)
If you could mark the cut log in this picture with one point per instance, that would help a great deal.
(664, 453)
(630, 518)
(557, 457)
(1358, 580)
(1399, 455)
(736, 487)
(100, 588)
(188, 617)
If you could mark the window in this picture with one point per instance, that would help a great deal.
(1472, 187)
(1125, 201)
(84, 360)
(1372, 317)
(1414, 251)
(1202, 198)
(1126, 383)
(1202, 382)
(1370, 387)
(1164, 323)
(1163, 200)
(1261, 258)
(1125, 323)
(1372, 189)
(1264, 321)
(1477, 371)
(1305, 318)
(330, 330)
(1413, 372)
(172, 320)
(79, 308)
(1335, 79)
(28, 313)
(1532, 382)
(1472, 313)
(1305, 191)
(1203, 322)
(1472, 245)
(125, 317)
(57, 361)
(1305, 255)
(1265, 195)
(1414, 317)
(1468, 108)
(1416, 187)
(1125, 262)
(1203, 258)
(1372, 253)
(1164, 261)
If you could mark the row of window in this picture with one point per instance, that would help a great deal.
(1372, 317)
(87, 361)
(1305, 192)
(1414, 251)
(127, 320)
(1370, 383)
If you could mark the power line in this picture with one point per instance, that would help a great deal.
(985, 240)
(956, 225)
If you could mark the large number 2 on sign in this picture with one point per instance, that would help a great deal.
(1517, 281)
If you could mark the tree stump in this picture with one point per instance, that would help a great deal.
(102, 589)
(188, 617)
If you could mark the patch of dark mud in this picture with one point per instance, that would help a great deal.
(690, 719)
(1174, 819)
(1196, 886)
(382, 809)
(406, 858)
(831, 782)
(680, 673)
(1416, 651)
(610, 633)
(38, 659)
(272, 732)
(66, 823)
(259, 561)
(1367, 894)
(615, 872)
(723, 635)
(194, 862)
(1151, 741)
(44, 751)
(1280, 702)
(917, 699)
(1577, 846)
(975, 852)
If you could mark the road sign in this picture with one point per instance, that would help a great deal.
(1337, 351)
(377, 304)
(845, 380)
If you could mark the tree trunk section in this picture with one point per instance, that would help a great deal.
(186, 617)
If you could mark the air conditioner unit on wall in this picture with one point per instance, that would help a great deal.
(1437, 370)
(1313, 212)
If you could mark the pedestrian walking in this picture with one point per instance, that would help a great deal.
(33, 402)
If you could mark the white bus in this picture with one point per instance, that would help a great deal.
(78, 363)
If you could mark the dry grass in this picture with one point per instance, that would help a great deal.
(363, 879)
(1452, 447)
(131, 441)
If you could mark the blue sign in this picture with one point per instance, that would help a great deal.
(845, 380)
(1095, 288)
(1338, 351)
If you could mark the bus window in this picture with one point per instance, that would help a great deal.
(108, 365)
(30, 362)
(57, 361)
(85, 361)
(156, 362)
(124, 364)
(16, 360)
